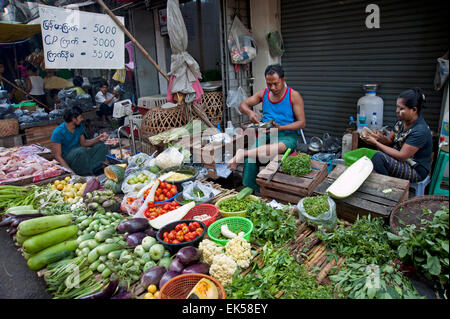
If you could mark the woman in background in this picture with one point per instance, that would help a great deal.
(35, 86)
(406, 152)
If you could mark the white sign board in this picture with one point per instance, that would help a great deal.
(75, 39)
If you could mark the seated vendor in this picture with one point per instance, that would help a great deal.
(105, 102)
(73, 151)
(406, 152)
(280, 104)
(77, 83)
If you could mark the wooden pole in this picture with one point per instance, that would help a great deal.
(27, 94)
(138, 45)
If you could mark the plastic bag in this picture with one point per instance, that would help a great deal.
(169, 158)
(328, 218)
(129, 188)
(241, 44)
(276, 46)
(131, 204)
(138, 161)
(208, 191)
(441, 75)
(236, 97)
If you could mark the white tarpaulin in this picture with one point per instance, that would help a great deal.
(183, 66)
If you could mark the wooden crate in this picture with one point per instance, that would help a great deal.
(40, 135)
(290, 189)
(369, 199)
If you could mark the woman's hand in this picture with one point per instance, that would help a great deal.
(369, 140)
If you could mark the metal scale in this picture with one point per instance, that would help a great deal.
(125, 109)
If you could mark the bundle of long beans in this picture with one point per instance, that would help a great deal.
(71, 279)
(11, 195)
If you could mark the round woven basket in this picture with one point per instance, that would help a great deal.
(235, 224)
(158, 120)
(410, 211)
(180, 286)
(212, 105)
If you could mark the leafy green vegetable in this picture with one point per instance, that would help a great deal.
(426, 248)
(360, 281)
(314, 206)
(270, 224)
(280, 277)
(365, 241)
(297, 165)
(235, 205)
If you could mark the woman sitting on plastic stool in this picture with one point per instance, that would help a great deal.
(406, 152)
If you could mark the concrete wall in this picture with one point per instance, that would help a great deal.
(265, 17)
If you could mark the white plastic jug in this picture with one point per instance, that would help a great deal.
(370, 104)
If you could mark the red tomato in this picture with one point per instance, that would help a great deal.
(166, 240)
(166, 234)
(161, 197)
(185, 229)
(192, 235)
(180, 237)
(171, 236)
(187, 237)
(199, 231)
(191, 226)
(196, 225)
(176, 241)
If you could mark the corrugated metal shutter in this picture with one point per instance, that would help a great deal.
(330, 54)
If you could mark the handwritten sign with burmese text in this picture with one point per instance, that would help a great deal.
(75, 39)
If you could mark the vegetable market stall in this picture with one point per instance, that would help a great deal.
(131, 254)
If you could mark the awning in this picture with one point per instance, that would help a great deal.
(12, 32)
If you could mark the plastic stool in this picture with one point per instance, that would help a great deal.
(420, 186)
(435, 188)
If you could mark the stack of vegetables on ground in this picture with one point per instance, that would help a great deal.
(367, 251)
(47, 239)
(425, 247)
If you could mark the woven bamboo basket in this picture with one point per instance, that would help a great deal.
(158, 120)
(212, 105)
(410, 211)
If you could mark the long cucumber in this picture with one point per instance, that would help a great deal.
(52, 237)
(39, 225)
(46, 256)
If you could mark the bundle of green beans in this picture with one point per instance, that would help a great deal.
(11, 196)
(71, 279)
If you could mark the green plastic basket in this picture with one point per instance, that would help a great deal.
(355, 155)
(235, 224)
(241, 213)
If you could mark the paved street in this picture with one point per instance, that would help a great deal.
(16, 280)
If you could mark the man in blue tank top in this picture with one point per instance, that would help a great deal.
(280, 104)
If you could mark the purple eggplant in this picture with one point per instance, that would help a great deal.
(188, 255)
(124, 295)
(121, 293)
(167, 276)
(200, 268)
(7, 221)
(151, 232)
(135, 239)
(105, 293)
(91, 185)
(25, 215)
(153, 276)
(134, 225)
(176, 265)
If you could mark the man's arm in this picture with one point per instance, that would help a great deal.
(247, 104)
(56, 148)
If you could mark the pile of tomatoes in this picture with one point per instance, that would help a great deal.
(157, 210)
(183, 233)
(163, 192)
